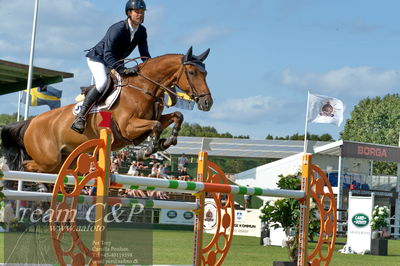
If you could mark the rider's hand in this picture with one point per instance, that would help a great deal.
(131, 71)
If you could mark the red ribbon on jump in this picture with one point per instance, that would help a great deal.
(106, 119)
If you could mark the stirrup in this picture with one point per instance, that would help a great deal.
(79, 124)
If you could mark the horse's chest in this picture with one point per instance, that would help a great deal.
(152, 111)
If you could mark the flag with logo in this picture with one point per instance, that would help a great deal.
(47, 95)
(324, 109)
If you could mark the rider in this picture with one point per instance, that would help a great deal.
(119, 41)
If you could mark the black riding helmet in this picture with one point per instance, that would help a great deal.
(134, 4)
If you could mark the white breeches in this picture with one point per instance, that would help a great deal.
(99, 72)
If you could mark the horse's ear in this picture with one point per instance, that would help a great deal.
(204, 55)
(188, 55)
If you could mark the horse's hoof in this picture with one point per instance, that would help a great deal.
(162, 145)
(173, 140)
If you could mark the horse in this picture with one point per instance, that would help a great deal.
(42, 143)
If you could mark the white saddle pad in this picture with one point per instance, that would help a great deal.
(108, 103)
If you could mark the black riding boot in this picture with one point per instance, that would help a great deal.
(80, 120)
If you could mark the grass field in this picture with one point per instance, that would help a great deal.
(175, 247)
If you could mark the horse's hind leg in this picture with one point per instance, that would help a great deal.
(33, 166)
(50, 166)
(45, 158)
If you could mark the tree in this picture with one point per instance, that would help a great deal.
(7, 119)
(375, 120)
(297, 136)
(195, 130)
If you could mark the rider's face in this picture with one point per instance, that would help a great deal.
(136, 16)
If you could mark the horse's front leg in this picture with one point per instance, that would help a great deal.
(166, 120)
(136, 127)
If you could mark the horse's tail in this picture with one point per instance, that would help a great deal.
(12, 142)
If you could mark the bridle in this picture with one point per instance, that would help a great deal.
(194, 93)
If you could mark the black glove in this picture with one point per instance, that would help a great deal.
(131, 71)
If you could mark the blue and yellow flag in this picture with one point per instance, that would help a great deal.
(44, 96)
(183, 101)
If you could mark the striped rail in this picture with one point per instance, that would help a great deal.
(146, 183)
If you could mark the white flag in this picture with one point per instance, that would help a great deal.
(324, 109)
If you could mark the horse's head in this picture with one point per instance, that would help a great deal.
(192, 79)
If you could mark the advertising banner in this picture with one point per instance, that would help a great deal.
(359, 218)
(247, 222)
(168, 216)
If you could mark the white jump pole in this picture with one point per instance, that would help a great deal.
(70, 180)
(207, 187)
(125, 202)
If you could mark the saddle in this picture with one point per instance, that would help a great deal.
(107, 98)
(112, 83)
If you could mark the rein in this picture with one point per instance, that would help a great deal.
(194, 94)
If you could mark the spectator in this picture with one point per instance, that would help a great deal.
(172, 177)
(163, 170)
(136, 193)
(154, 170)
(114, 166)
(121, 193)
(182, 161)
(42, 188)
(86, 190)
(353, 185)
(141, 166)
(92, 191)
(183, 174)
(133, 168)
(152, 159)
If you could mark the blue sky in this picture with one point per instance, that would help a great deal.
(264, 57)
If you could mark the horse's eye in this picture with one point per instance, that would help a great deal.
(191, 72)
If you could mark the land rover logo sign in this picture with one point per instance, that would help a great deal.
(188, 215)
(172, 214)
(360, 220)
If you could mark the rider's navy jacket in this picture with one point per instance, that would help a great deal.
(117, 44)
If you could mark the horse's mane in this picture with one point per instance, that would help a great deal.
(163, 56)
(150, 60)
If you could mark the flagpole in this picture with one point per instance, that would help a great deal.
(30, 70)
(19, 105)
(28, 90)
(306, 124)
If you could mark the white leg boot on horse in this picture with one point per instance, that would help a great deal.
(80, 121)
(166, 120)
